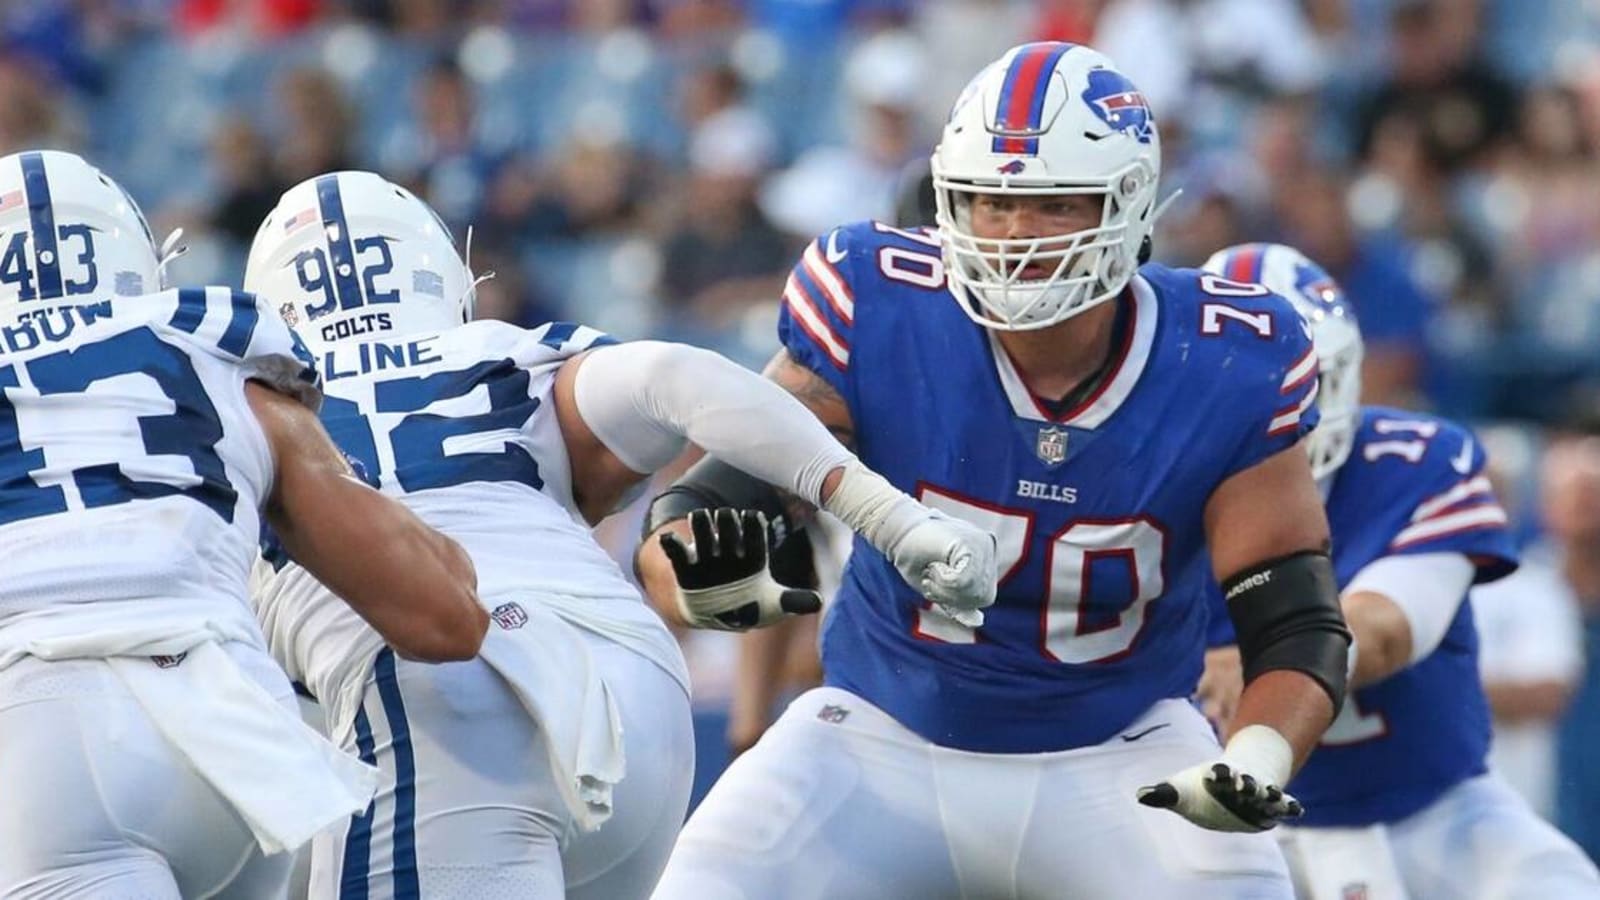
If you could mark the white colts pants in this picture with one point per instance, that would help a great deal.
(1479, 841)
(94, 803)
(840, 802)
(468, 807)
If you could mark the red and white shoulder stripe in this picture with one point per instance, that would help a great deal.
(834, 290)
(803, 306)
(1302, 376)
(1468, 506)
(1287, 418)
(1304, 369)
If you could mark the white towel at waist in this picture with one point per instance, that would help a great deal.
(285, 781)
(547, 663)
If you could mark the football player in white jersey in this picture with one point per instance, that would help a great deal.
(558, 763)
(149, 747)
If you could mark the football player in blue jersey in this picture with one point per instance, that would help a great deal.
(1399, 802)
(1128, 432)
(149, 746)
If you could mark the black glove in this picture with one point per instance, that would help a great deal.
(723, 580)
(711, 484)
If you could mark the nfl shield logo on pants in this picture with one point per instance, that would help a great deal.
(509, 616)
(1052, 446)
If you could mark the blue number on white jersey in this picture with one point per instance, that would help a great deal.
(449, 420)
(1097, 508)
(418, 442)
(171, 413)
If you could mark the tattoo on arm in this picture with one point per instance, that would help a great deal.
(816, 393)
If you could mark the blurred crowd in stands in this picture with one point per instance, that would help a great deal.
(652, 167)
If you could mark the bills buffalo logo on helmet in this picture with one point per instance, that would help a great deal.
(1013, 167)
(1318, 286)
(1116, 102)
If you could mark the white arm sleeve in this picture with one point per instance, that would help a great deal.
(1427, 587)
(645, 399)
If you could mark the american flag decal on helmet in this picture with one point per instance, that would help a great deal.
(10, 199)
(299, 220)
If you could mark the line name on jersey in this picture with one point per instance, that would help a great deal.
(345, 362)
(1044, 490)
(56, 324)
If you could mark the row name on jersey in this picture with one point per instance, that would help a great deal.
(375, 356)
(54, 324)
(1044, 490)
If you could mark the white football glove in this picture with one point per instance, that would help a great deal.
(723, 578)
(951, 562)
(1239, 792)
(948, 561)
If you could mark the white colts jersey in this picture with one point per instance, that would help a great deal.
(131, 466)
(462, 427)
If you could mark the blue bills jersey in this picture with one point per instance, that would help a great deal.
(1413, 484)
(1097, 508)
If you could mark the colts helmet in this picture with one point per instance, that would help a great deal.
(351, 256)
(1046, 119)
(1334, 333)
(69, 234)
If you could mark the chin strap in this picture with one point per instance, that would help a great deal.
(1147, 246)
(171, 249)
(470, 301)
(1164, 205)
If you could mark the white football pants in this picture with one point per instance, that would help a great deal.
(840, 802)
(94, 803)
(1479, 841)
(467, 807)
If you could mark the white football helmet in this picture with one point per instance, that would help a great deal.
(1046, 119)
(1334, 333)
(68, 233)
(351, 256)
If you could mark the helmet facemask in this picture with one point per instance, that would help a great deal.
(1339, 405)
(1020, 284)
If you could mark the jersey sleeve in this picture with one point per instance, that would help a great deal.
(816, 321)
(1279, 391)
(242, 328)
(1452, 507)
(569, 338)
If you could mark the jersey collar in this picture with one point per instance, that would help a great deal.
(1095, 409)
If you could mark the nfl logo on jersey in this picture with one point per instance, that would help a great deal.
(509, 616)
(1052, 446)
(832, 714)
(1356, 891)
